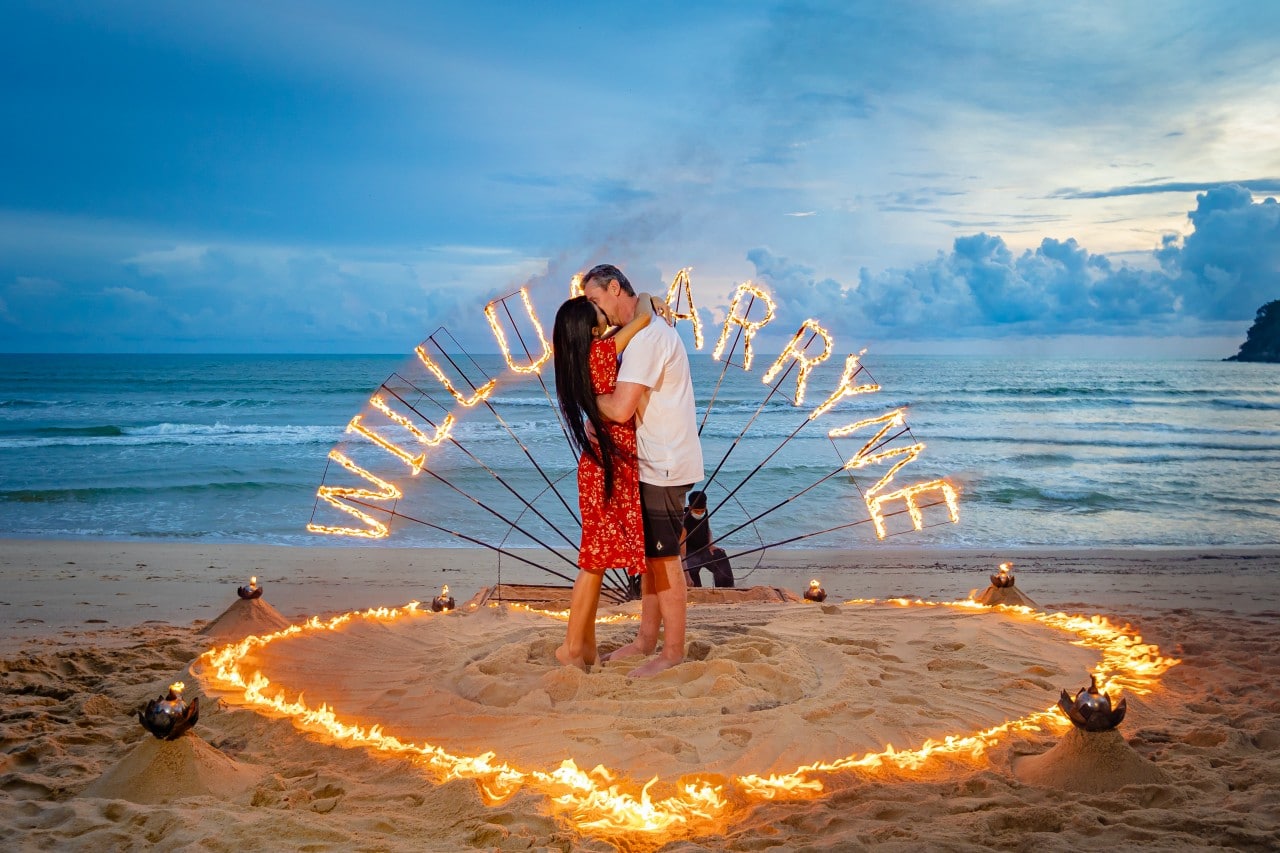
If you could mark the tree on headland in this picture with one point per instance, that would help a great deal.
(1262, 343)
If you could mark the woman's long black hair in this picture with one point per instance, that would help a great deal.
(571, 340)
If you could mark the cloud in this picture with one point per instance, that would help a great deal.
(1265, 185)
(130, 295)
(34, 286)
(308, 159)
(1145, 57)
(1222, 271)
(259, 298)
(619, 193)
(1230, 264)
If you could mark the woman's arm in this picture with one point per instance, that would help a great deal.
(644, 314)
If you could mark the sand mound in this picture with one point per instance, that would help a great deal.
(245, 617)
(1089, 763)
(1010, 595)
(739, 595)
(159, 771)
(768, 687)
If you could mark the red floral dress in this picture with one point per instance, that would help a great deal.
(613, 530)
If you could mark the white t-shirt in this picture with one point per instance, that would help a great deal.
(667, 423)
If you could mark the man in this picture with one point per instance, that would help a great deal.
(654, 384)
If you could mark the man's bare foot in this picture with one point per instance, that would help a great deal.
(630, 649)
(653, 667)
(589, 657)
(562, 655)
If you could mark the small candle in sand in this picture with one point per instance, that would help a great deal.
(815, 592)
(173, 704)
(442, 602)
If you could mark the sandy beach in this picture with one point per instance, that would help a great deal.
(92, 630)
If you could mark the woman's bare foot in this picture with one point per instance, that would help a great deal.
(653, 667)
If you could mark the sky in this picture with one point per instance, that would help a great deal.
(994, 176)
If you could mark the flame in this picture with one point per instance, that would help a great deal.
(749, 327)
(482, 393)
(1126, 662)
(442, 431)
(415, 463)
(908, 494)
(575, 286)
(330, 494)
(599, 804)
(846, 388)
(594, 801)
(681, 286)
(444, 591)
(813, 584)
(176, 688)
(1005, 568)
(535, 364)
(795, 350)
(253, 581)
(563, 615)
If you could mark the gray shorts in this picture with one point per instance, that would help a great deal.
(663, 511)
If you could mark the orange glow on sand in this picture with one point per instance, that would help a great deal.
(598, 803)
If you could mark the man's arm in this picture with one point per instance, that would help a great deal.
(623, 402)
(644, 313)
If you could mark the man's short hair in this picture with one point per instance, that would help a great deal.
(602, 273)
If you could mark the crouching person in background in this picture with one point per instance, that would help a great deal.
(697, 549)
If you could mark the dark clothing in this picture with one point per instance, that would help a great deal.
(661, 507)
(701, 554)
(697, 535)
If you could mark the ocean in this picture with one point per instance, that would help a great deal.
(233, 448)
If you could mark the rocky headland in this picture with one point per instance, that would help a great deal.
(1262, 342)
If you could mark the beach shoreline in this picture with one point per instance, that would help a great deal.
(60, 585)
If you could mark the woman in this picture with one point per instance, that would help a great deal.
(586, 365)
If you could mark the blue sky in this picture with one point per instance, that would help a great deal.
(1003, 176)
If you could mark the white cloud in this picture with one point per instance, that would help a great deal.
(34, 286)
(130, 295)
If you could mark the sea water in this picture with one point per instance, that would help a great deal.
(1050, 452)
